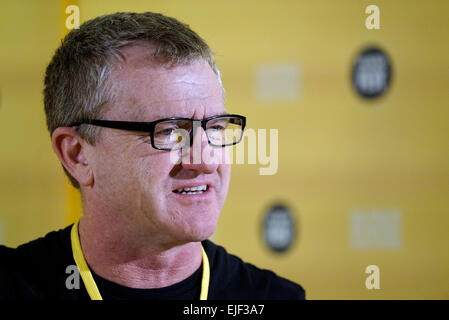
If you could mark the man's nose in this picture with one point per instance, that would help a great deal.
(200, 156)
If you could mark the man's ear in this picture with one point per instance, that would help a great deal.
(71, 151)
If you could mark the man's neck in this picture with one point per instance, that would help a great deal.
(127, 258)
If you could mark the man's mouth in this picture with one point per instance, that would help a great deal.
(192, 190)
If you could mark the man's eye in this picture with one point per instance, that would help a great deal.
(217, 127)
(165, 132)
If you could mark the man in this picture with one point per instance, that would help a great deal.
(128, 99)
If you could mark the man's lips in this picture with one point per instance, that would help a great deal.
(192, 188)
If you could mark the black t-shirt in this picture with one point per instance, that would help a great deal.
(43, 269)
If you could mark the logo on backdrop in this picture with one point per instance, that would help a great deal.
(371, 73)
(279, 228)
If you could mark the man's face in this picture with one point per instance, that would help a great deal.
(139, 183)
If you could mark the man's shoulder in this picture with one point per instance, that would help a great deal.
(48, 246)
(31, 267)
(233, 278)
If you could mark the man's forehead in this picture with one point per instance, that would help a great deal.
(137, 60)
(165, 109)
(141, 55)
(143, 87)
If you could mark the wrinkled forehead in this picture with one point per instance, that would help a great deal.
(144, 86)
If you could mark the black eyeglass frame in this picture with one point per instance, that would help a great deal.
(149, 126)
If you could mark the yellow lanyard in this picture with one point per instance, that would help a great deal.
(89, 281)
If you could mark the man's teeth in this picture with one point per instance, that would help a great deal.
(192, 190)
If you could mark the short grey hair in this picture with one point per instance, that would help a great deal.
(77, 80)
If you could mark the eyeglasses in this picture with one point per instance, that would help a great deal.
(177, 133)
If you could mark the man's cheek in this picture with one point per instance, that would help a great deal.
(225, 175)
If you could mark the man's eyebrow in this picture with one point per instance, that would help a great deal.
(217, 115)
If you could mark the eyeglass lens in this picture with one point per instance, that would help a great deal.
(175, 134)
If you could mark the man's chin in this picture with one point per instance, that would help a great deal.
(203, 234)
(198, 234)
(195, 225)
